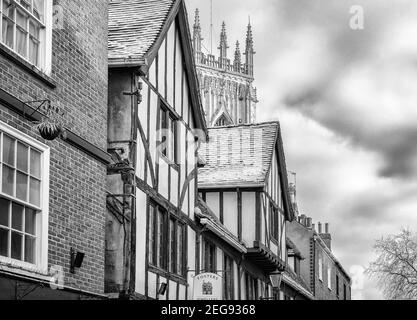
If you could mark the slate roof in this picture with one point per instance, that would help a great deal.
(238, 155)
(134, 26)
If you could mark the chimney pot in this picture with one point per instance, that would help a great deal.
(327, 228)
(320, 227)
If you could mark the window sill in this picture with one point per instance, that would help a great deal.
(25, 65)
(166, 274)
(13, 267)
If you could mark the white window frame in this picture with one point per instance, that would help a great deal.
(329, 277)
(45, 45)
(42, 221)
(320, 268)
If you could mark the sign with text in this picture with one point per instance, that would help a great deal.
(208, 286)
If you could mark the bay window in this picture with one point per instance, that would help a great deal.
(23, 199)
(26, 29)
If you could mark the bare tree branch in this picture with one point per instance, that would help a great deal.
(395, 267)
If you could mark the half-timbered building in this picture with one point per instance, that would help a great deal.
(155, 114)
(244, 183)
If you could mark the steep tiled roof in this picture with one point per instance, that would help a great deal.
(238, 155)
(134, 26)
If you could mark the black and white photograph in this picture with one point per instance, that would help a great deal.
(204, 150)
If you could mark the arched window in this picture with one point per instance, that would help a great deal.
(221, 122)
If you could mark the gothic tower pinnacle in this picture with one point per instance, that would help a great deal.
(249, 52)
(223, 42)
(238, 58)
(197, 39)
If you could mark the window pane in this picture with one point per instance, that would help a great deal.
(38, 9)
(30, 221)
(30, 249)
(17, 241)
(21, 186)
(151, 235)
(4, 242)
(8, 180)
(26, 4)
(161, 243)
(7, 37)
(35, 164)
(21, 44)
(33, 50)
(8, 9)
(35, 192)
(8, 150)
(17, 217)
(172, 246)
(164, 132)
(4, 212)
(180, 250)
(22, 157)
(171, 140)
(21, 20)
(34, 29)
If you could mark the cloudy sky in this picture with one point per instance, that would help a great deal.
(347, 102)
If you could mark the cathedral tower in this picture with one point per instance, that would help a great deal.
(226, 86)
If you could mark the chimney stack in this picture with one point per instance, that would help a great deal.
(326, 236)
(309, 223)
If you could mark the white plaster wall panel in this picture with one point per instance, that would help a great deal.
(162, 68)
(172, 295)
(230, 212)
(178, 76)
(152, 285)
(170, 64)
(213, 201)
(248, 217)
(174, 187)
(163, 178)
(140, 241)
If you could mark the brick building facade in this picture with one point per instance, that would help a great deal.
(320, 269)
(55, 53)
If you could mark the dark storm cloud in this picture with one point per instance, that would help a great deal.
(397, 145)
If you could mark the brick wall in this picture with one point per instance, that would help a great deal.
(311, 250)
(322, 291)
(77, 181)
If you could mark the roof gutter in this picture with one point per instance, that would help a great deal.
(288, 280)
(230, 186)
